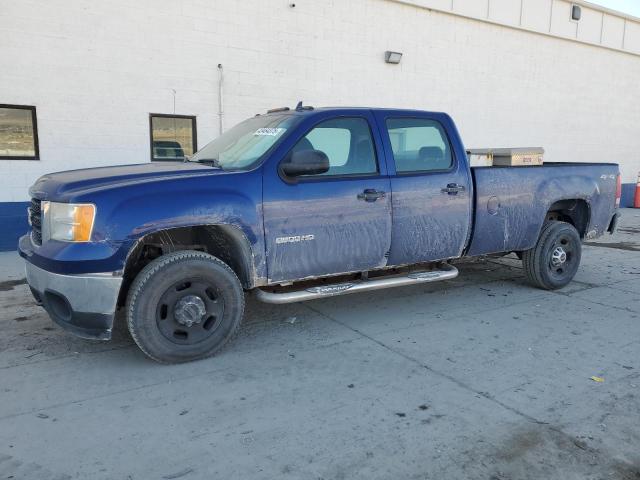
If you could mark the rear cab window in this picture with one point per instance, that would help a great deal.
(419, 145)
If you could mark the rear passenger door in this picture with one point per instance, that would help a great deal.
(430, 185)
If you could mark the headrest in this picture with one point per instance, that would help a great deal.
(431, 153)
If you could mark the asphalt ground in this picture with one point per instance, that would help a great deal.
(479, 377)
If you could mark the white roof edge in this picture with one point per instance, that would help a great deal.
(592, 6)
(609, 11)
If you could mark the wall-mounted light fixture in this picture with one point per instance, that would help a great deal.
(392, 57)
(576, 12)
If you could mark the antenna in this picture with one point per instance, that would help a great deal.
(302, 108)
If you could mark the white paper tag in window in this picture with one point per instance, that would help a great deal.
(269, 132)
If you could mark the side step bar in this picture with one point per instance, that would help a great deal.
(446, 272)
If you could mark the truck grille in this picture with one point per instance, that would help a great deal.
(35, 219)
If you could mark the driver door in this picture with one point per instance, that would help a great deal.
(335, 222)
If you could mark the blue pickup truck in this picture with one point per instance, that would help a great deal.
(292, 205)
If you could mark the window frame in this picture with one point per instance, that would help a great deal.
(315, 178)
(34, 122)
(194, 136)
(454, 158)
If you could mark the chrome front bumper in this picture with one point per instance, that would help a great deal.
(82, 304)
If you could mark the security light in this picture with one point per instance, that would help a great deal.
(576, 12)
(392, 57)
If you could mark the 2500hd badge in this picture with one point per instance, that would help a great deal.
(295, 239)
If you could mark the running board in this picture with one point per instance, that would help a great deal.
(446, 272)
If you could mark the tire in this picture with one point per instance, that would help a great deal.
(555, 259)
(184, 306)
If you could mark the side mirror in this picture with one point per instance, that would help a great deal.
(306, 162)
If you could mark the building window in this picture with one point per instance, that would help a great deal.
(172, 136)
(18, 133)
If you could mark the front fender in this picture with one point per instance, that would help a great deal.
(188, 203)
(229, 243)
(127, 213)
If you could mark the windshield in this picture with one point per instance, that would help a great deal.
(242, 146)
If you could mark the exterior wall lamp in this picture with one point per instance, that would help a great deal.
(576, 12)
(392, 57)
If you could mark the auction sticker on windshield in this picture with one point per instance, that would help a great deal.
(269, 132)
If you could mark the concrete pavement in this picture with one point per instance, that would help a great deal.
(479, 377)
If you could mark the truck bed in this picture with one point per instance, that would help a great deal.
(510, 202)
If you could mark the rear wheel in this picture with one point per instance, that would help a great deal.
(184, 306)
(555, 259)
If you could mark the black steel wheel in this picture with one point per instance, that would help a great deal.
(555, 259)
(190, 311)
(184, 306)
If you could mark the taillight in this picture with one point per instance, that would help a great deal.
(618, 190)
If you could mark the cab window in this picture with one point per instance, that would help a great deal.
(348, 144)
(419, 145)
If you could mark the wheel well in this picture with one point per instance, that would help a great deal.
(576, 212)
(225, 242)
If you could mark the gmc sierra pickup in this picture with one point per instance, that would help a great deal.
(295, 205)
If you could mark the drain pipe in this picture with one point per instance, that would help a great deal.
(220, 97)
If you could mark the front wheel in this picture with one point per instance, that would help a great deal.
(555, 259)
(184, 306)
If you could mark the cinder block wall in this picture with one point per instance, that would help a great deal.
(96, 70)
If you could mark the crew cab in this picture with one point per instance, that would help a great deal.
(293, 205)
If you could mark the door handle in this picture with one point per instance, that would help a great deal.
(371, 195)
(453, 189)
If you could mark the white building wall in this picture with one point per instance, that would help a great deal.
(95, 70)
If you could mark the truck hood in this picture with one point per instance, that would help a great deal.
(63, 185)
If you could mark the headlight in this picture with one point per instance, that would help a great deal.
(69, 222)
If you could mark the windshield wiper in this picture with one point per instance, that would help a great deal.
(214, 162)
